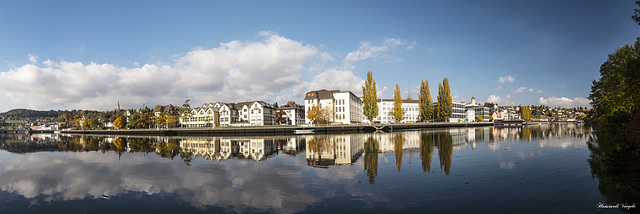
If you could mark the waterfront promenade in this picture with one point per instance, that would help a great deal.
(273, 130)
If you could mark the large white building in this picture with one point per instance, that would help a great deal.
(205, 116)
(253, 113)
(345, 107)
(410, 111)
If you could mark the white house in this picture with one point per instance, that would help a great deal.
(293, 112)
(201, 117)
(345, 106)
(255, 113)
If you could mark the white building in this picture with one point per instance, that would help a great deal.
(255, 113)
(294, 113)
(410, 111)
(345, 107)
(478, 110)
(205, 116)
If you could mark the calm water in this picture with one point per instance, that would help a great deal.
(535, 169)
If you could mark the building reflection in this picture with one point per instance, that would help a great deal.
(325, 150)
(320, 150)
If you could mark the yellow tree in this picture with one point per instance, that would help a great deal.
(319, 115)
(397, 104)
(120, 122)
(370, 98)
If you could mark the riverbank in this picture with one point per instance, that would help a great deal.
(273, 130)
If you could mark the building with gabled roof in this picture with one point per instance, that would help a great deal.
(344, 106)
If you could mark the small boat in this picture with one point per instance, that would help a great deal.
(304, 131)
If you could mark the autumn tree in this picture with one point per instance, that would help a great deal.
(120, 122)
(445, 105)
(370, 98)
(281, 117)
(319, 115)
(426, 103)
(397, 104)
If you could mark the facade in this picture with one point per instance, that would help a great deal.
(255, 113)
(228, 114)
(458, 114)
(294, 113)
(478, 110)
(206, 116)
(344, 106)
(410, 109)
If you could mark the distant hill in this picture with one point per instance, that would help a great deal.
(20, 114)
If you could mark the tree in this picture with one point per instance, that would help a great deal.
(120, 122)
(525, 112)
(370, 98)
(319, 115)
(280, 117)
(445, 105)
(426, 103)
(397, 104)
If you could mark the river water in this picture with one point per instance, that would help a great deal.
(532, 169)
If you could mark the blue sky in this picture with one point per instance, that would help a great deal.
(92, 54)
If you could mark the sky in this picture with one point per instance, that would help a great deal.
(93, 54)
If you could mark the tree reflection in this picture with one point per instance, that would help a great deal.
(371, 148)
(398, 141)
(617, 170)
(445, 150)
(426, 151)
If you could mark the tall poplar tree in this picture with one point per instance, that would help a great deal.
(370, 98)
(397, 104)
(426, 103)
(445, 105)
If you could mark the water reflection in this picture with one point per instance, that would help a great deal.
(321, 150)
(284, 174)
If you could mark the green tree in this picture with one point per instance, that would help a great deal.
(120, 122)
(370, 98)
(426, 103)
(445, 105)
(397, 104)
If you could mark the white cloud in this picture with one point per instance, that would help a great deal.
(367, 50)
(33, 58)
(499, 100)
(564, 102)
(539, 91)
(333, 79)
(234, 71)
(498, 88)
(520, 90)
(412, 45)
(507, 78)
(531, 90)
(562, 86)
